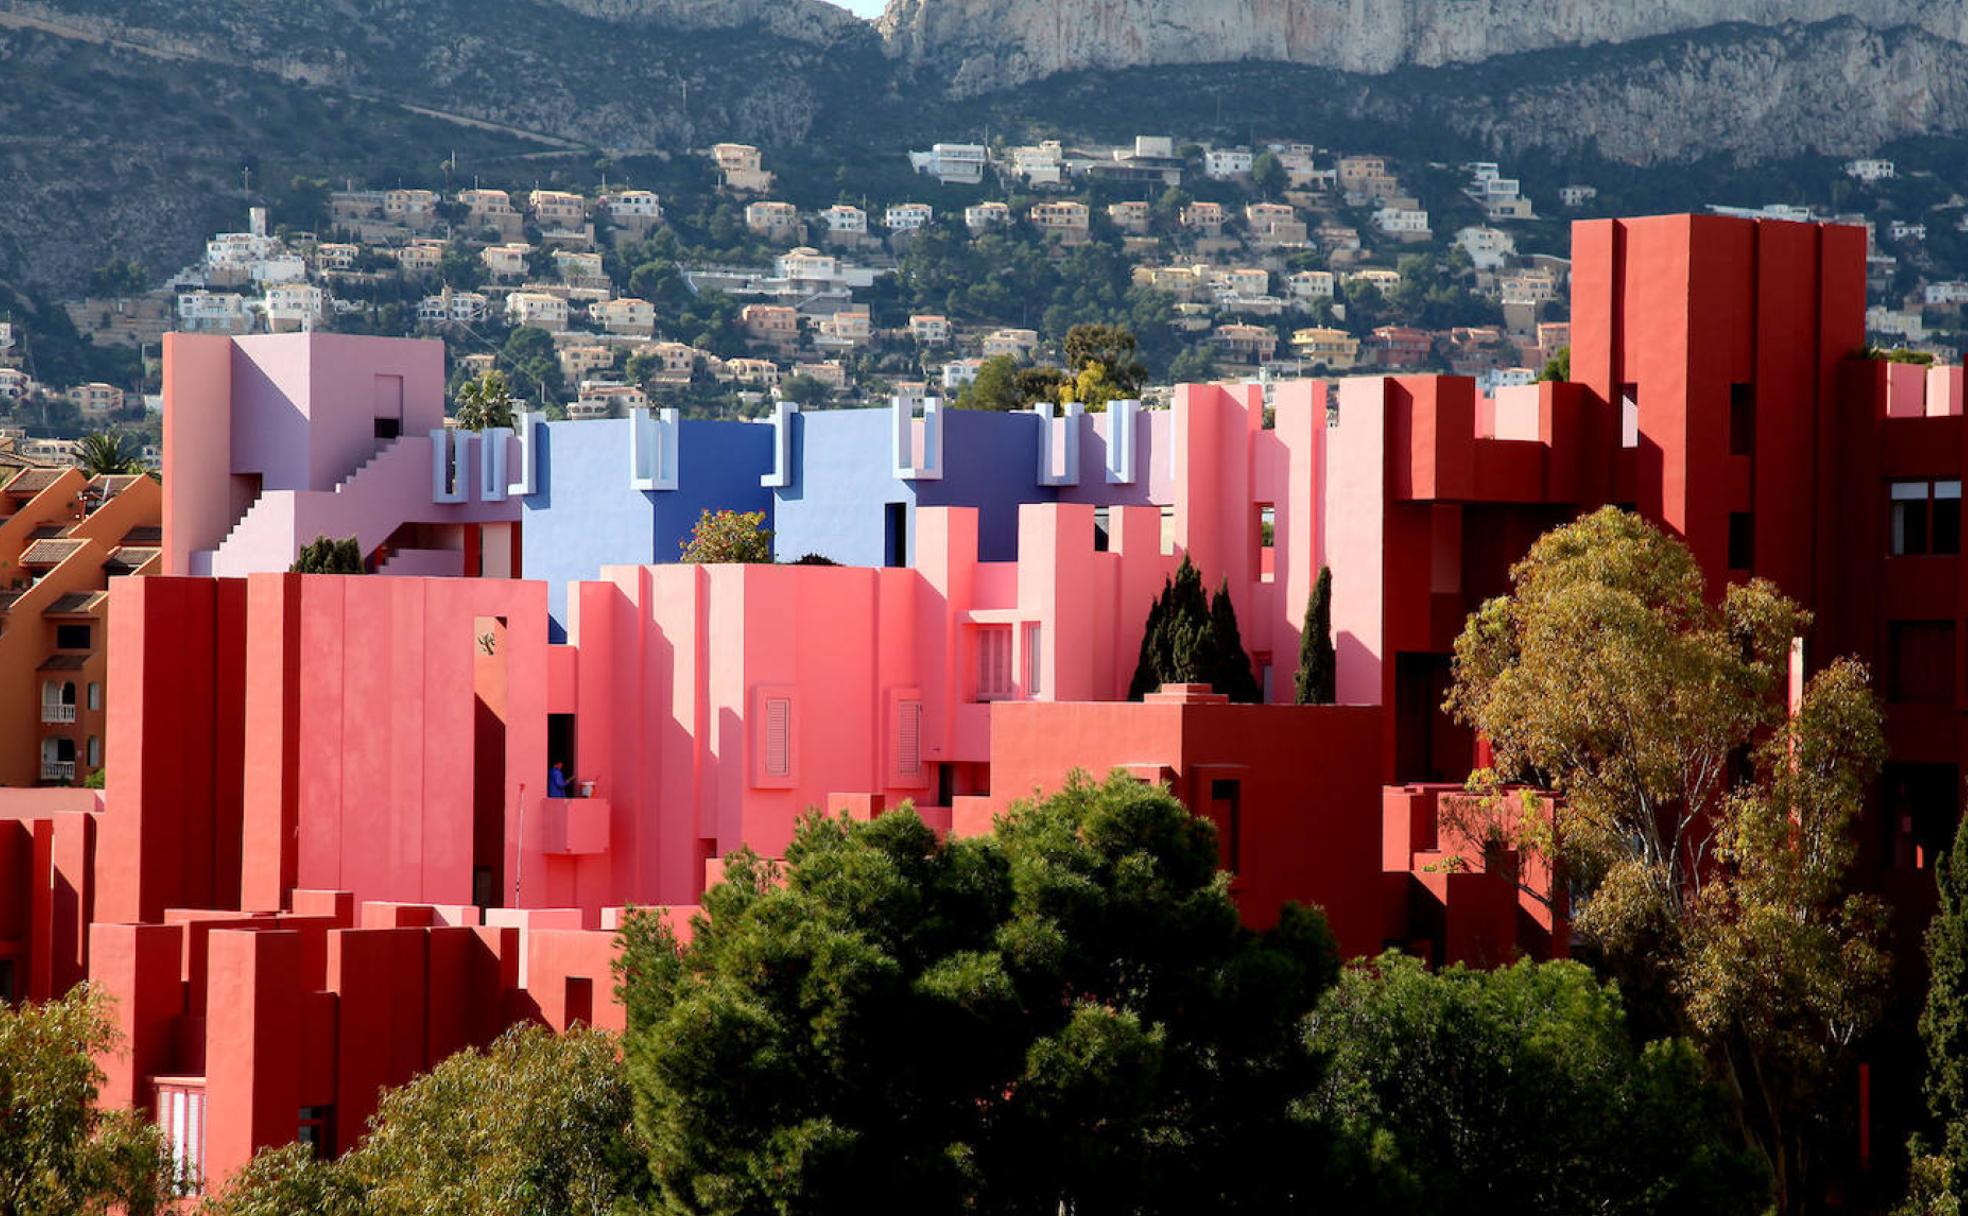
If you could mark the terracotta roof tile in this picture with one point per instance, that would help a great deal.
(33, 481)
(73, 603)
(48, 552)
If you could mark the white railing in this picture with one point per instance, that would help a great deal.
(54, 712)
(58, 770)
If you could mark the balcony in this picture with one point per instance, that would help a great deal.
(576, 827)
(55, 713)
(58, 770)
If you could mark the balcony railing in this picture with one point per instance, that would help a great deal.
(53, 712)
(58, 770)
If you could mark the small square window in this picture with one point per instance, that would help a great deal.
(1924, 517)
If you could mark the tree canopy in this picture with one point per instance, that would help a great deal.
(485, 402)
(1066, 1012)
(995, 387)
(1703, 833)
(60, 1152)
(728, 536)
(1191, 638)
(107, 453)
(324, 555)
(1940, 1171)
(1102, 363)
(536, 1125)
(1519, 1090)
(1317, 682)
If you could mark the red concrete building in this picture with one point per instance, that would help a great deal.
(323, 860)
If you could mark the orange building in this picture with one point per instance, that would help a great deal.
(63, 535)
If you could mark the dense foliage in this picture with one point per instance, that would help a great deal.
(1192, 638)
(1705, 831)
(1317, 682)
(536, 1125)
(108, 452)
(1065, 1015)
(325, 555)
(1940, 1169)
(1519, 1090)
(485, 402)
(728, 536)
(59, 1152)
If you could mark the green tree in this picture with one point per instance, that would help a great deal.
(1703, 833)
(1189, 639)
(1317, 682)
(59, 1151)
(654, 281)
(118, 277)
(529, 352)
(108, 453)
(1944, 1033)
(1518, 1090)
(1193, 365)
(1037, 384)
(323, 555)
(1268, 175)
(1559, 366)
(287, 1180)
(485, 402)
(804, 389)
(728, 536)
(995, 388)
(1063, 1015)
(538, 1124)
(461, 271)
(1104, 364)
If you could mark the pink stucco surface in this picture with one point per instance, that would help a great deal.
(272, 440)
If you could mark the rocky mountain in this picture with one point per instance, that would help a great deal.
(134, 128)
(805, 20)
(983, 45)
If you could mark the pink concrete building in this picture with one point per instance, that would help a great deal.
(272, 441)
(324, 858)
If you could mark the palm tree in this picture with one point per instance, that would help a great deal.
(485, 402)
(107, 453)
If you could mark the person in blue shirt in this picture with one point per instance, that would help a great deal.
(557, 781)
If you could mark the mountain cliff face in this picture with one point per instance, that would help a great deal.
(1741, 93)
(981, 45)
(804, 20)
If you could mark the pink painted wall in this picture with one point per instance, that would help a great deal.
(1355, 487)
(675, 664)
(374, 734)
(289, 418)
(197, 445)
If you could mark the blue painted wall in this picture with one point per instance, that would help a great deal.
(838, 504)
(586, 515)
(842, 481)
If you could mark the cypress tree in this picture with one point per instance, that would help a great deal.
(1318, 668)
(1944, 1023)
(1189, 640)
(1231, 665)
(1154, 647)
